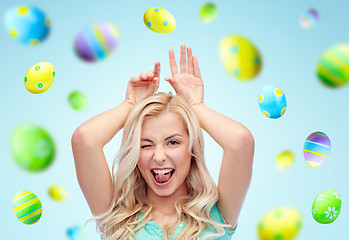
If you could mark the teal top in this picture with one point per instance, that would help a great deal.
(154, 232)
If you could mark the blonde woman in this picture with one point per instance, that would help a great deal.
(160, 187)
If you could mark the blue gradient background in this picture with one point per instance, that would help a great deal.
(289, 52)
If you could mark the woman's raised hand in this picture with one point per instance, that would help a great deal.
(144, 85)
(188, 82)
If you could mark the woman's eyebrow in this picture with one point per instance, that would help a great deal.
(173, 135)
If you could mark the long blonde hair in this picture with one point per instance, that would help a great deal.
(130, 197)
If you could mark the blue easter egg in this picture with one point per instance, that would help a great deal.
(76, 232)
(272, 101)
(28, 24)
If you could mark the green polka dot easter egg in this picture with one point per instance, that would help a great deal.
(240, 58)
(281, 223)
(39, 77)
(326, 206)
(159, 20)
(333, 66)
(32, 147)
(77, 100)
(27, 207)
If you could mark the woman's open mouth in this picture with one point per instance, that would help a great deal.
(162, 177)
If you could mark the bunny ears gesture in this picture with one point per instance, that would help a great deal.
(188, 82)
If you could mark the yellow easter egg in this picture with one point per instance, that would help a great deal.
(57, 193)
(39, 77)
(284, 160)
(159, 20)
(240, 58)
(280, 223)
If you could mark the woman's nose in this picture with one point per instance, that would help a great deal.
(159, 154)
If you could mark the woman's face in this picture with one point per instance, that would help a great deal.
(164, 145)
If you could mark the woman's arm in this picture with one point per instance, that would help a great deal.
(90, 137)
(235, 139)
(91, 167)
(236, 168)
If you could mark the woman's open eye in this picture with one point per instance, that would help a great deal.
(173, 142)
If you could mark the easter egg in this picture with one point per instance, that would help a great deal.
(327, 206)
(159, 20)
(39, 77)
(76, 232)
(57, 193)
(284, 160)
(272, 101)
(32, 147)
(208, 13)
(240, 57)
(280, 223)
(333, 67)
(309, 18)
(77, 100)
(28, 24)
(97, 41)
(27, 207)
(316, 149)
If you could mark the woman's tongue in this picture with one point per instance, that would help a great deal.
(160, 177)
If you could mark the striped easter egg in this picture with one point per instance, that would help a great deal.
(27, 207)
(97, 41)
(333, 66)
(316, 149)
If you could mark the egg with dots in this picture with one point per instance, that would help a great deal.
(326, 206)
(316, 149)
(282, 222)
(240, 58)
(39, 77)
(27, 207)
(32, 147)
(28, 24)
(159, 20)
(272, 101)
(76, 232)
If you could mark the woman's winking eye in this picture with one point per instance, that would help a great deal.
(171, 143)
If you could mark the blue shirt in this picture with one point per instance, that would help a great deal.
(154, 232)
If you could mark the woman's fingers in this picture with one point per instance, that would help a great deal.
(134, 79)
(190, 61)
(157, 70)
(171, 81)
(182, 60)
(157, 84)
(150, 75)
(196, 67)
(173, 65)
(143, 76)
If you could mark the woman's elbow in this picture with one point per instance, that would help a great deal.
(80, 137)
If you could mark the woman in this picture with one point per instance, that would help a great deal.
(160, 187)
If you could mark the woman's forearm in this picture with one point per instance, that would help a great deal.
(100, 129)
(227, 132)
